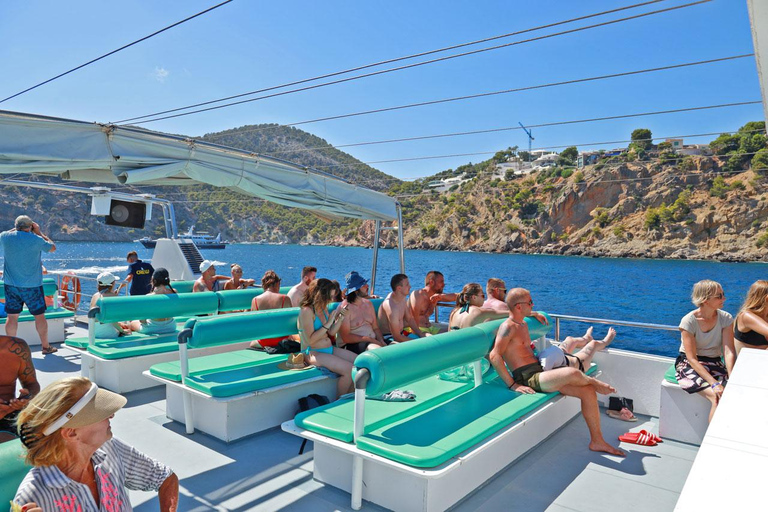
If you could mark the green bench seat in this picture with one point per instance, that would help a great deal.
(124, 349)
(82, 341)
(50, 313)
(215, 362)
(13, 469)
(671, 375)
(446, 419)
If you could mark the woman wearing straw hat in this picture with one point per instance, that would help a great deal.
(78, 465)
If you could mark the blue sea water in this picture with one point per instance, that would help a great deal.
(651, 291)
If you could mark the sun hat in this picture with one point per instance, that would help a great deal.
(94, 406)
(106, 278)
(354, 281)
(295, 362)
(205, 265)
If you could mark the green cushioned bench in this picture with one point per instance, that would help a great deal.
(50, 314)
(453, 431)
(12, 470)
(671, 375)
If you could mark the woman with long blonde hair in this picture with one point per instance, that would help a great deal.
(750, 329)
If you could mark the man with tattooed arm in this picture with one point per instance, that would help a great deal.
(15, 364)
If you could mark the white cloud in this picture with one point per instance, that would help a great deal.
(160, 74)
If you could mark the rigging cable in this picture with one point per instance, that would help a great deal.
(408, 66)
(117, 50)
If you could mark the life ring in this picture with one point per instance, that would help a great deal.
(70, 284)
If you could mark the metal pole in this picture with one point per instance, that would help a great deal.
(376, 234)
(361, 380)
(557, 330)
(758, 17)
(400, 231)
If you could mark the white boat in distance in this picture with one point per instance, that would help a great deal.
(201, 239)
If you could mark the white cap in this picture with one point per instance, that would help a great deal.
(205, 265)
(106, 278)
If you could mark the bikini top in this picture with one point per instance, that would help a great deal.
(750, 337)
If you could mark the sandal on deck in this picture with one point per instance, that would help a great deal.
(637, 438)
(50, 349)
(624, 414)
(653, 436)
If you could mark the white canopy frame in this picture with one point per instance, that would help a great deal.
(120, 155)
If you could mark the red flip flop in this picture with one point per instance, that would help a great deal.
(637, 438)
(653, 436)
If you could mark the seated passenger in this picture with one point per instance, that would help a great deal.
(161, 285)
(237, 282)
(296, 294)
(496, 291)
(395, 314)
(105, 283)
(707, 337)
(422, 302)
(360, 328)
(337, 295)
(270, 299)
(209, 281)
(750, 329)
(76, 463)
(512, 349)
(469, 308)
(316, 325)
(15, 364)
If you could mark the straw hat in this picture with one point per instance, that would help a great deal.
(295, 362)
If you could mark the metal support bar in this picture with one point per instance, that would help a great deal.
(477, 368)
(376, 234)
(361, 381)
(557, 329)
(92, 325)
(184, 360)
(400, 230)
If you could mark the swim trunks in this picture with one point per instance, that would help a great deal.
(16, 297)
(528, 375)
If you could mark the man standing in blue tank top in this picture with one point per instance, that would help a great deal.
(139, 275)
(23, 276)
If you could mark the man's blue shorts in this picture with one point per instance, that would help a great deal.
(16, 297)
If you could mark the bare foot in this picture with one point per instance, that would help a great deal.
(602, 446)
(588, 335)
(602, 387)
(608, 339)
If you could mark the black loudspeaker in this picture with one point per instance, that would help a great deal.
(126, 214)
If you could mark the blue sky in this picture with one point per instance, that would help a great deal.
(248, 45)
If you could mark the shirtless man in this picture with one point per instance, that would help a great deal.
(209, 281)
(15, 364)
(497, 290)
(360, 329)
(395, 313)
(298, 291)
(422, 302)
(512, 349)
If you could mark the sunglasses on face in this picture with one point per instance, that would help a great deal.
(719, 296)
(530, 302)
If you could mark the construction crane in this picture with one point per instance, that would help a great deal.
(530, 138)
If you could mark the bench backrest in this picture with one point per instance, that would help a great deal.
(49, 287)
(142, 307)
(404, 363)
(182, 286)
(237, 300)
(239, 327)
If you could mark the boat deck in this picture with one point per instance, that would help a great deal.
(265, 472)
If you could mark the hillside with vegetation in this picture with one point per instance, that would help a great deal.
(645, 200)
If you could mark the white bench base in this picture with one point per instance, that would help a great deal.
(683, 417)
(28, 333)
(124, 375)
(403, 488)
(238, 416)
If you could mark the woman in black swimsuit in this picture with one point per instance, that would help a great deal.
(750, 329)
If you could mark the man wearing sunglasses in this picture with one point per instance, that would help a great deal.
(512, 349)
(496, 291)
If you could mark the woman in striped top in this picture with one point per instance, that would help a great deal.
(77, 464)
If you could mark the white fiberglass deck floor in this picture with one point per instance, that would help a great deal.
(265, 472)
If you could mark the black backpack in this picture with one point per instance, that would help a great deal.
(310, 402)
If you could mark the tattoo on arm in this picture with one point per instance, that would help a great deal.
(26, 375)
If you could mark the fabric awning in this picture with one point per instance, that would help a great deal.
(92, 152)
